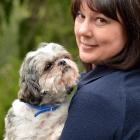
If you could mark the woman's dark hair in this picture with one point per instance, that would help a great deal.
(129, 11)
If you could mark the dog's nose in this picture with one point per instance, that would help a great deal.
(62, 63)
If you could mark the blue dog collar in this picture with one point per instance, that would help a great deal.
(44, 108)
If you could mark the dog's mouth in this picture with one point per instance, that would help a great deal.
(69, 90)
(66, 68)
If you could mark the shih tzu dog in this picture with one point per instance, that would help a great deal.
(47, 76)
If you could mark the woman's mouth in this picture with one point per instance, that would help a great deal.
(88, 45)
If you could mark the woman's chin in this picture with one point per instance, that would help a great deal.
(86, 59)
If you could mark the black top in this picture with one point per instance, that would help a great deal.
(106, 106)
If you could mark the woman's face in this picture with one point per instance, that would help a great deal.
(98, 37)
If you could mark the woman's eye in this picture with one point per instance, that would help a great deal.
(99, 21)
(80, 15)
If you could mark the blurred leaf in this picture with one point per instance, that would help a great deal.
(7, 6)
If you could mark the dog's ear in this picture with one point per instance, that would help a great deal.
(29, 87)
(30, 92)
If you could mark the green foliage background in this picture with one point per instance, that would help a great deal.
(23, 25)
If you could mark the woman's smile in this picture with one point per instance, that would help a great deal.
(98, 37)
(87, 46)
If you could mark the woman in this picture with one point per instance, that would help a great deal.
(106, 105)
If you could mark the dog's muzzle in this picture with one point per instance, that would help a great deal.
(62, 63)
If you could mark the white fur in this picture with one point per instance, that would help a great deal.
(46, 126)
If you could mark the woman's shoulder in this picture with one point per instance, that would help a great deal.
(105, 75)
(110, 85)
(129, 81)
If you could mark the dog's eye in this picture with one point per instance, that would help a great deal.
(67, 57)
(48, 66)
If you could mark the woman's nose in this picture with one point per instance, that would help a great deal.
(85, 29)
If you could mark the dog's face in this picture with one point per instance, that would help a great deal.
(47, 75)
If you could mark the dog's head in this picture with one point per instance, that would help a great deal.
(47, 75)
